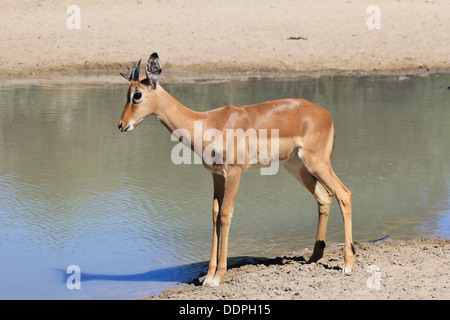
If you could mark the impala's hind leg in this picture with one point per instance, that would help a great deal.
(320, 168)
(296, 167)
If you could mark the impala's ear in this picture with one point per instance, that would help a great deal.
(153, 69)
(125, 76)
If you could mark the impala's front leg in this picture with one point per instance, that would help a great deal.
(219, 185)
(230, 187)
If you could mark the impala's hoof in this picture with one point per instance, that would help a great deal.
(215, 282)
(349, 259)
(347, 270)
(207, 282)
(348, 265)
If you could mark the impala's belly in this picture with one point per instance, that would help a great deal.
(261, 153)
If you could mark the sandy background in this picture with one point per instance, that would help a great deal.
(252, 37)
(224, 36)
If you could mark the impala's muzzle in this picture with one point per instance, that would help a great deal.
(128, 128)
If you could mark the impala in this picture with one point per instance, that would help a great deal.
(305, 145)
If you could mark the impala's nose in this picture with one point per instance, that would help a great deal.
(127, 129)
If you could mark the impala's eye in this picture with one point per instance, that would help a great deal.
(137, 97)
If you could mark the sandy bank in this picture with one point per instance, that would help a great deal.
(216, 36)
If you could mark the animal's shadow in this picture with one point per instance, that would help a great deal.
(193, 273)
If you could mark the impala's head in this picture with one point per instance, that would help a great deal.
(141, 98)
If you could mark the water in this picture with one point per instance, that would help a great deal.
(76, 191)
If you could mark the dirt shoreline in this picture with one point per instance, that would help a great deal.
(387, 270)
(112, 76)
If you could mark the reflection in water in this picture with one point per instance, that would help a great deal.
(74, 190)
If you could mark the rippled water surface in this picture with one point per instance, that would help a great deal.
(76, 191)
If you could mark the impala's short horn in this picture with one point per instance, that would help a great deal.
(135, 72)
(125, 76)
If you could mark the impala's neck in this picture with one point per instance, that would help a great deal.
(175, 115)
